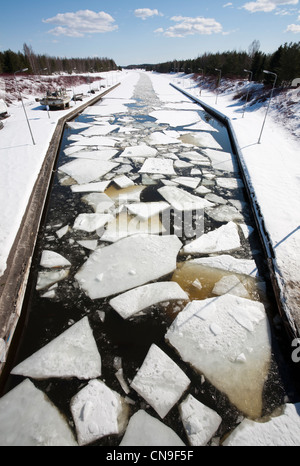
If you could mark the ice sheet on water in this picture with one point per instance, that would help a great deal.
(230, 284)
(161, 138)
(95, 141)
(90, 244)
(123, 181)
(182, 200)
(53, 259)
(229, 263)
(134, 301)
(146, 430)
(100, 202)
(201, 139)
(200, 422)
(99, 186)
(105, 154)
(188, 181)
(230, 183)
(175, 118)
(73, 353)
(160, 381)
(158, 165)
(280, 430)
(91, 222)
(84, 171)
(225, 238)
(141, 150)
(222, 160)
(128, 263)
(237, 369)
(48, 278)
(224, 213)
(97, 130)
(29, 418)
(145, 210)
(98, 411)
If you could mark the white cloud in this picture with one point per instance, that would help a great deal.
(145, 13)
(81, 22)
(227, 4)
(189, 26)
(293, 28)
(267, 5)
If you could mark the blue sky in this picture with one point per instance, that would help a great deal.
(136, 31)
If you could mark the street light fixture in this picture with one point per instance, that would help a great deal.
(268, 72)
(21, 71)
(250, 79)
(216, 69)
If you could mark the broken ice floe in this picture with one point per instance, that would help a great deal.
(84, 171)
(158, 165)
(230, 284)
(51, 259)
(145, 210)
(99, 154)
(222, 160)
(229, 263)
(100, 202)
(230, 183)
(175, 118)
(123, 181)
(238, 369)
(139, 151)
(47, 278)
(224, 213)
(188, 181)
(99, 186)
(160, 381)
(182, 200)
(28, 418)
(281, 429)
(201, 139)
(134, 301)
(73, 353)
(158, 137)
(98, 411)
(200, 422)
(128, 263)
(225, 238)
(146, 430)
(91, 222)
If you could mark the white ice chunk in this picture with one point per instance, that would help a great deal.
(201, 139)
(225, 238)
(84, 171)
(139, 151)
(216, 355)
(53, 259)
(146, 430)
(182, 200)
(280, 430)
(73, 353)
(90, 244)
(97, 412)
(146, 210)
(230, 183)
(133, 301)
(158, 165)
(224, 213)
(99, 154)
(161, 138)
(100, 202)
(229, 263)
(175, 118)
(46, 279)
(246, 229)
(200, 422)
(222, 160)
(190, 182)
(160, 381)
(150, 256)
(99, 187)
(29, 418)
(96, 141)
(123, 181)
(62, 231)
(230, 284)
(97, 130)
(91, 222)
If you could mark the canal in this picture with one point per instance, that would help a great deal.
(147, 219)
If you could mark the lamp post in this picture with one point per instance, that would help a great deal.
(268, 72)
(216, 69)
(21, 71)
(250, 72)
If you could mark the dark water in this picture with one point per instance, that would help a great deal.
(130, 339)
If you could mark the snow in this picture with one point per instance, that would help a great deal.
(160, 381)
(140, 298)
(243, 329)
(73, 353)
(146, 430)
(28, 418)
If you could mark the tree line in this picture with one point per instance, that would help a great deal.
(11, 62)
(285, 62)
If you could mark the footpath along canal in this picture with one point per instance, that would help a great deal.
(149, 317)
